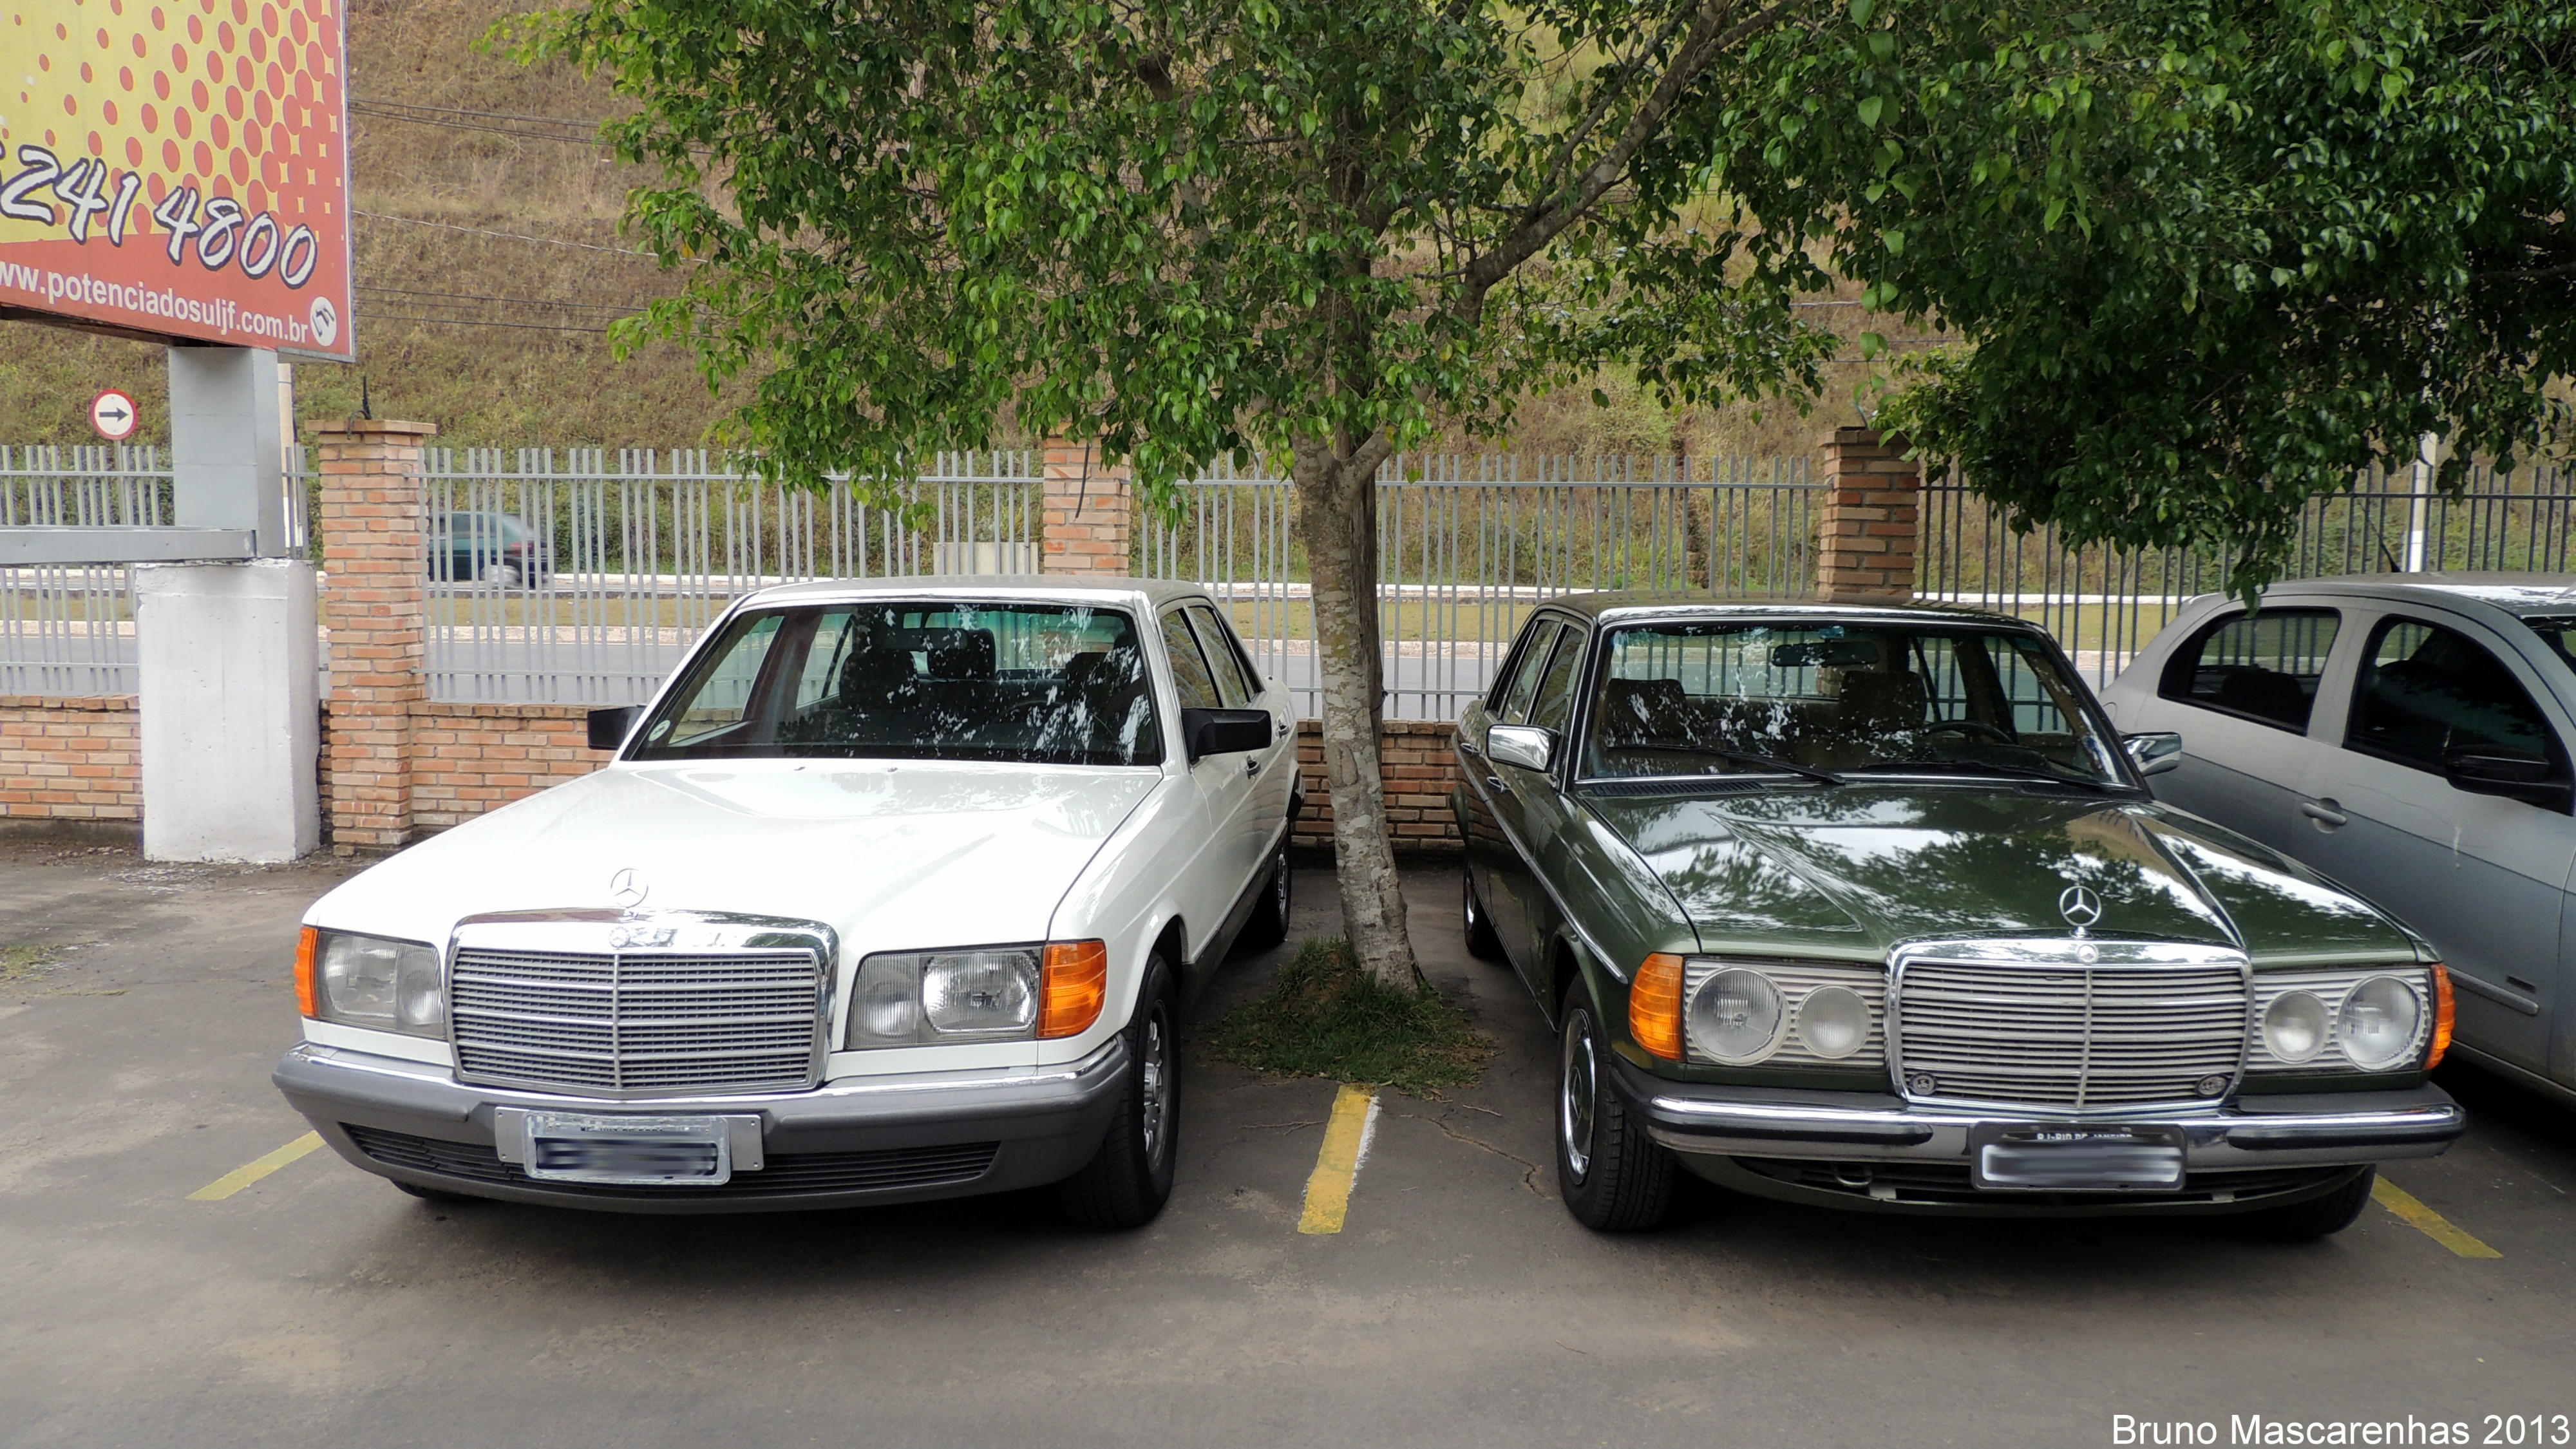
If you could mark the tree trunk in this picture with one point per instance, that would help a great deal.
(1337, 506)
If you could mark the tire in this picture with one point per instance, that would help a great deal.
(1269, 923)
(2318, 1217)
(1128, 1180)
(1613, 1177)
(434, 1195)
(1482, 943)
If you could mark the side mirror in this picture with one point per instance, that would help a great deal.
(608, 727)
(1522, 745)
(1224, 731)
(2526, 778)
(2154, 752)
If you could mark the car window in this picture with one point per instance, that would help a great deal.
(924, 680)
(1692, 697)
(1554, 707)
(1533, 663)
(1234, 679)
(2263, 666)
(1189, 667)
(2425, 691)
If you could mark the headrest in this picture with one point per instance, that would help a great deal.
(1642, 700)
(1888, 700)
(873, 677)
(958, 653)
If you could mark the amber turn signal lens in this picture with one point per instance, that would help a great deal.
(1655, 1006)
(307, 946)
(2441, 1016)
(1077, 983)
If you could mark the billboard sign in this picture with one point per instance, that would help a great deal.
(178, 169)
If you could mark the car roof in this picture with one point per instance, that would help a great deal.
(1036, 588)
(2519, 594)
(1672, 603)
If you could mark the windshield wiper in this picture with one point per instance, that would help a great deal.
(1981, 767)
(1742, 757)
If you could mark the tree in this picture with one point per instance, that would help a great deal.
(1183, 228)
(2207, 257)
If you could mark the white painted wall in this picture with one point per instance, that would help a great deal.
(229, 710)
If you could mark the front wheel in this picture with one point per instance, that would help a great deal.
(1613, 1177)
(1126, 1182)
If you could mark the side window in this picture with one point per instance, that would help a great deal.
(2263, 666)
(820, 680)
(1533, 663)
(1189, 666)
(2425, 691)
(1234, 679)
(1555, 705)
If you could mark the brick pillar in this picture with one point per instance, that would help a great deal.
(1873, 523)
(1088, 512)
(375, 609)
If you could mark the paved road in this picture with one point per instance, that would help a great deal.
(1460, 1306)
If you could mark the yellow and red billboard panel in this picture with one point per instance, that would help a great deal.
(178, 168)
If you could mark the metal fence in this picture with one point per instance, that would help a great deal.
(70, 629)
(2104, 604)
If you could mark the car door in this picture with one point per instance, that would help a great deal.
(1250, 832)
(1217, 880)
(1537, 810)
(2483, 877)
(1493, 863)
(2242, 690)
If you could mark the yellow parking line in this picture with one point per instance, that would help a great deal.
(1337, 1166)
(243, 1176)
(2428, 1222)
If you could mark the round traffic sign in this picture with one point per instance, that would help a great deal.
(114, 415)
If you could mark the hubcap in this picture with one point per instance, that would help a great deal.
(1279, 887)
(1470, 894)
(1157, 1086)
(1574, 1106)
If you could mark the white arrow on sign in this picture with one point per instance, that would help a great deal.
(114, 415)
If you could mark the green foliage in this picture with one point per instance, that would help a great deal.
(2210, 256)
(1327, 1016)
(1185, 228)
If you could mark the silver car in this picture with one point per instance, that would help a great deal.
(2409, 736)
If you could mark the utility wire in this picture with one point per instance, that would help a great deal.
(472, 322)
(622, 308)
(504, 235)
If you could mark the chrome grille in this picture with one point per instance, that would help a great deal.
(2069, 1033)
(637, 1024)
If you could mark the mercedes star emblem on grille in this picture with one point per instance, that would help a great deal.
(2079, 906)
(628, 889)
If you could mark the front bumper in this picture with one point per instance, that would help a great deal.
(846, 1143)
(1873, 1149)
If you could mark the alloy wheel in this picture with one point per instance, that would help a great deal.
(1575, 1094)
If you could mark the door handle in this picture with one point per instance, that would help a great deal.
(1495, 783)
(2324, 813)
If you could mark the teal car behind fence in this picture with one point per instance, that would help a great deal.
(1872, 908)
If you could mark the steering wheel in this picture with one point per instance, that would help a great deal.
(1970, 727)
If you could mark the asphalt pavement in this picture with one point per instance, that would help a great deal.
(312, 1304)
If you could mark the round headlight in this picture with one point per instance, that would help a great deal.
(2378, 1023)
(1735, 1016)
(2294, 1027)
(1833, 1021)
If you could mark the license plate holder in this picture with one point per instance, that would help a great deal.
(2075, 1157)
(628, 1151)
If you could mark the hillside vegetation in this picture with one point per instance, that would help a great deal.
(488, 258)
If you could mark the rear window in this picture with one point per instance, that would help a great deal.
(2263, 667)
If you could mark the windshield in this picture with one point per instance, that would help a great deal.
(909, 680)
(1726, 697)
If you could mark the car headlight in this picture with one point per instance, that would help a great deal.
(982, 993)
(2294, 1027)
(372, 981)
(1833, 1021)
(1735, 1016)
(2378, 1021)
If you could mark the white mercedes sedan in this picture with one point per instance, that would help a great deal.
(895, 891)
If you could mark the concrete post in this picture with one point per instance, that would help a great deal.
(1088, 512)
(230, 720)
(372, 518)
(228, 446)
(1873, 522)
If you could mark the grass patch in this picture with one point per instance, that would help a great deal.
(21, 964)
(1326, 1016)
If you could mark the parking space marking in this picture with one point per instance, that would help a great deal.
(2426, 1221)
(1337, 1165)
(250, 1172)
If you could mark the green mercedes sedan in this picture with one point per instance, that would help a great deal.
(1871, 908)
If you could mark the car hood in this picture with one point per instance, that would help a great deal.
(891, 854)
(1857, 870)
